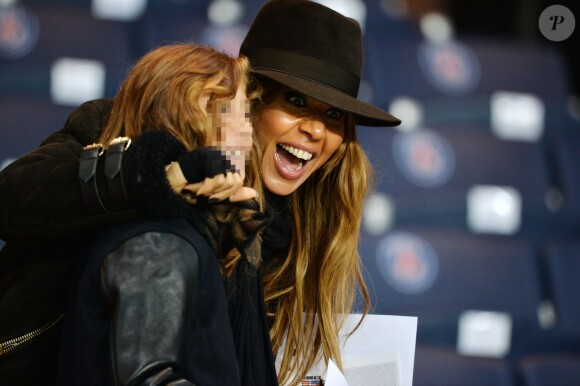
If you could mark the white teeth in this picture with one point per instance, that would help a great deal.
(299, 166)
(297, 153)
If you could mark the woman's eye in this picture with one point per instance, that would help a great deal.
(296, 100)
(335, 114)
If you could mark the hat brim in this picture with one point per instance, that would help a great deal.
(365, 114)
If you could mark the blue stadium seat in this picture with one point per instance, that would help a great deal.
(454, 82)
(438, 274)
(565, 153)
(173, 25)
(58, 3)
(26, 122)
(537, 68)
(563, 270)
(200, 8)
(429, 173)
(550, 370)
(63, 31)
(436, 366)
(529, 67)
(197, 6)
(168, 26)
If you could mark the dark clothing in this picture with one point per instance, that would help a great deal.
(246, 292)
(150, 308)
(34, 282)
(41, 207)
(40, 198)
(53, 210)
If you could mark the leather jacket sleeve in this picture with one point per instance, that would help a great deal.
(152, 282)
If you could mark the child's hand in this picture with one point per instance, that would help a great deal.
(217, 188)
(222, 187)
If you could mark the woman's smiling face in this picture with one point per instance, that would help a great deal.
(297, 134)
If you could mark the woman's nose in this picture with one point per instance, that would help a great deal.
(313, 127)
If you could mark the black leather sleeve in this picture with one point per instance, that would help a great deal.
(152, 281)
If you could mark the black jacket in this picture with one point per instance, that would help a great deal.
(34, 282)
(150, 308)
(49, 175)
(40, 198)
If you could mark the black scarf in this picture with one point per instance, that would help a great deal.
(276, 236)
(246, 295)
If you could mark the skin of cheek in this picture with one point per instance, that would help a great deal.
(274, 125)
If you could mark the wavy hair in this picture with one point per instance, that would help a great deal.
(310, 291)
(163, 91)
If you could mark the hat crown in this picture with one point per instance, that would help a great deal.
(314, 50)
(306, 28)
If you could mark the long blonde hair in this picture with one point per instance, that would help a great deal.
(312, 289)
(163, 91)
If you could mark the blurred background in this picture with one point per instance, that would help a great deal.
(474, 221)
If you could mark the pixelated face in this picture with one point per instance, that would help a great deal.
(230, 127)
(297, 134)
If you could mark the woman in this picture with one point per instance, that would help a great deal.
(309, 171)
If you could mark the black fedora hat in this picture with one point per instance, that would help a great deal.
(315, 50)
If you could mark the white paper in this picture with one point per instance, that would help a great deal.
(385, 340)
(380, 371)
(381, 352)
(333, 376)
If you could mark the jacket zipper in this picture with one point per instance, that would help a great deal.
(11, 344)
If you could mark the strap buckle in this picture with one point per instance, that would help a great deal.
(121, 140)
(88, 180)
(114, 171)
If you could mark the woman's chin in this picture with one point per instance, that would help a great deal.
(279, 185)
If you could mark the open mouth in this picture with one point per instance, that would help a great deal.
(292, 158)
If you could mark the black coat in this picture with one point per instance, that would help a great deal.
(34, 282)
(55, 212)
(150, 307)
(40, 198)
